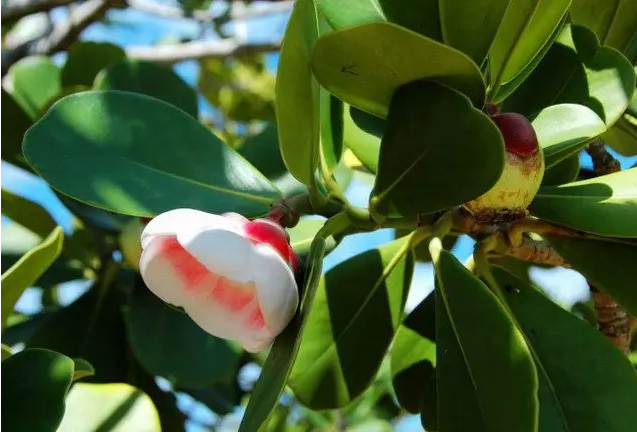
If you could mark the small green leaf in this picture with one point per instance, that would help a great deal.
(563, 172)
(150, 79)
(35, 384)
(577, 70)
(297, 94)
(605, 206)
(431, 148)
(27, 213)
(597, 391)
(361, 299)
(362, 67)
(563, 130)
(28, 269)
(86, 59)
(492, 351)
(82, 369)
(420, 16)
(140, 156)
(623, 135)
(413, 360)
(608, 265)
(364, 145)
(169, 344)
(36, 80)
(278, 365)
(15, 122)
(92, 407)
(302, 235)
(6, 352)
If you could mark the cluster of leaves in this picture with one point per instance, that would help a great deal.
(393, 92)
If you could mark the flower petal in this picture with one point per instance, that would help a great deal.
(159, 274)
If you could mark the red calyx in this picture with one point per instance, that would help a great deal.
(519, 135)
(267, 231)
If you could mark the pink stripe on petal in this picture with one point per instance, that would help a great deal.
(231, 295)
(191, 271)
(255, 319)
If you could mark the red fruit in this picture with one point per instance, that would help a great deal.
(519, 135)
(267, 231)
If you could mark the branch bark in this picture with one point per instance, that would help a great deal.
(174, 53)
(205, 15)
(13, 12)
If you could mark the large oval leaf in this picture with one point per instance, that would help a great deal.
(608, 265)
(622, 137)
(358, 307)
(36, 80)
(563, 172)
(475, 334)
(563, 130)
(297, 94)
(365, 65)
(364, 145)
(15, 122)
(169, 344)
(430, 148)
(577, 70)
(605, 205)
(302, 236)
(86, 59)
(596, 392)
(35, 384)
(150, 79)
(141, 156)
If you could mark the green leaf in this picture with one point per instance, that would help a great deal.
(27, 213)
(430, 148)
(364, 145)
(150, 79)
(421, 251)
(35, 384)
(525, 28)
(140, 156)
(82, 369)
(93, 407)
(302, 235)
(361, 299)
(36, 80)
(577, 70)
(278, 365)
(15, 122)
(413, 360)
(86, 59)
(297, 94)
(363, 67)
(471, 26)
(169, 344)
(597, 391)
(331, 130)
(28, 269)
(612, 21)
(608, 265)
(6, 352)
(605, 206)
(420, 16)
(264, 153)
(622, 137)
(563, 130)
(563, 172)
(475, 333)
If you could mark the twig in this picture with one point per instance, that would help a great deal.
(205, 15)
(174, 53)
(539, 252)
(13, 12)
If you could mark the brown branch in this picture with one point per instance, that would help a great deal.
(205, 15)
(174, 53)
(539, 252)
(13, 12)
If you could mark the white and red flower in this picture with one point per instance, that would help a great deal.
(234, 277)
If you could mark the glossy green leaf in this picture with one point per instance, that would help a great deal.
(486, 343)
(525, 28)
(413, 360)
(368, 122)
(27, 213)
(364, 145)
(28, 269)
(471, 26)
(82, 369)
(622, 137)
(264, 153)
(169, 344)
(92, 407)
(277, 367)
(612, 21)
(362, 66)
(15, 122)
(563, 130)
(331, 131)
(420, 16)
(150, 79)
(430, 148)
(361, 299)
(577, 70)
(35, 384)
(565, 171)
(597, 391)
(6, 352)
(140, 156)
(302, 235)
(605, 205)
(608, 265)
(297, 94)
(86, 59)
(36, 80)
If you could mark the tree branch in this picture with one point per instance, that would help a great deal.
(174, 53)
(13, 12)
(539, 252)
(205, 15)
